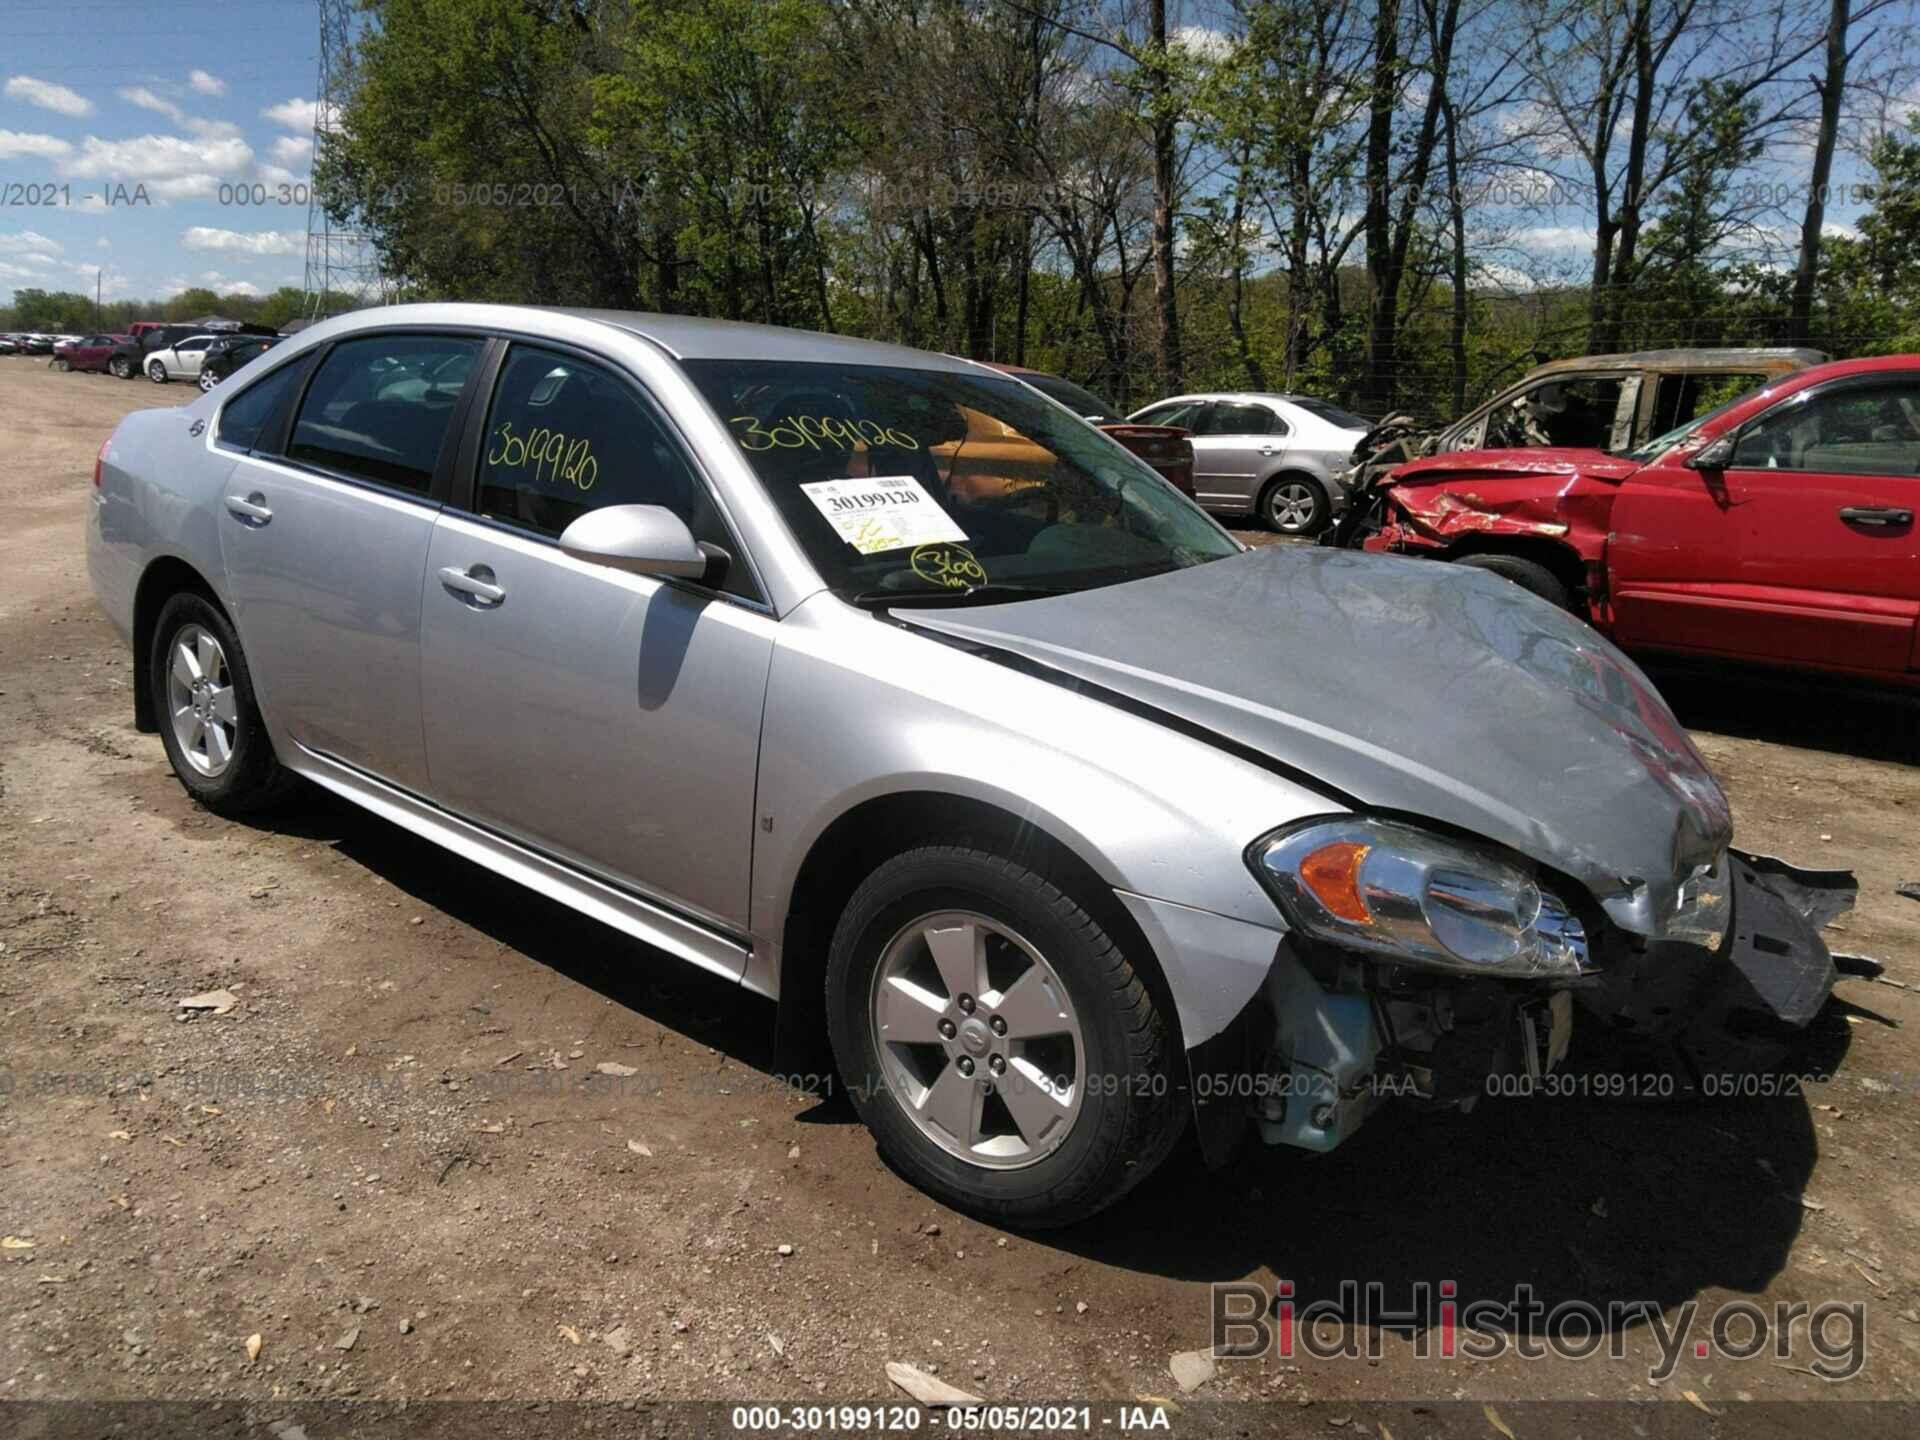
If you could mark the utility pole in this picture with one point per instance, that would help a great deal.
(99, 273)
(341, 264)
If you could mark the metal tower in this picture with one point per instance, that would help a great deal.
(342, 271)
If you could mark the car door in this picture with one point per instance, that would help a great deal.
(607, 719)
(325, 538)
(189, 355)
(1236, 445)
(1801, 550)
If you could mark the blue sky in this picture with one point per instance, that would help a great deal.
(207, 106)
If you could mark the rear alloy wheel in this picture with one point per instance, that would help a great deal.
(209, 723)
(120, 367)
(1295, 505)
(156, 372)
(1005, 1053)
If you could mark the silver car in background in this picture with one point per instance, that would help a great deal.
(1276, 458)
(1065, 818)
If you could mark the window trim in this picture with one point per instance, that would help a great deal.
(439, 486)
(465, 481)
(273, 432)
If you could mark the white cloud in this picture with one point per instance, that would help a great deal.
(296, 115)
(1203, 41)
(206, 129)
(211, 280)
(104, 243)
(143, 97)
(293, 149)
(48, 96)
(207, 84)
(257, 242)
(152, 158)
(17, 142)
(1552, 237)
(22, 241)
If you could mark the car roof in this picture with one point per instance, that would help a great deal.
(1779, 359)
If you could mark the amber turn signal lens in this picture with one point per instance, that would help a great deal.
(1332, 873)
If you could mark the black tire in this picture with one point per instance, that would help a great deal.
(156, 372)
(1280, 502)
(1527, 574)
(1126, 1124)
(120, 367)
(253, 778)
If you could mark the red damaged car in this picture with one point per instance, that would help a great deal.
(1166, 448)
(1778, 528)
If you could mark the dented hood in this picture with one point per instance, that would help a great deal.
(1400, 685)
(1539, 460)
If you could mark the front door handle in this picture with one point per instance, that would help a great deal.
(1882, 515)
(251, 508)
(475, 583)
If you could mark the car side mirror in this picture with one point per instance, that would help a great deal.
(642, 540)
(1716, 456)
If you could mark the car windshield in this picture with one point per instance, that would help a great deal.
(1084, 403)
(1660, 444)
(903, 483)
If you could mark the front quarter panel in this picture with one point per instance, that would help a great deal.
(859, 708)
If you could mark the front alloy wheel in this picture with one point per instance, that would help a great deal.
(157, 372)
(977, 1034)
(1008, 1055)
(207, 381)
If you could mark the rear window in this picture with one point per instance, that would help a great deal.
(1084, 403)
(1332, 414)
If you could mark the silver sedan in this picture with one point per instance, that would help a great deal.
(884, 686)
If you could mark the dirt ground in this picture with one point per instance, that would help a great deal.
(397, 1162)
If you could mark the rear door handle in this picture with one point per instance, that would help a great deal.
(1884, 515)
(252, 508)
(475, 583)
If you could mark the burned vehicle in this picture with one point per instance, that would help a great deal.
(1062, 816)
(1597, 402)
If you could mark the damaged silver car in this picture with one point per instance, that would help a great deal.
(1065, 818)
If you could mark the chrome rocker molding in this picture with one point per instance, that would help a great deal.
(679, 935)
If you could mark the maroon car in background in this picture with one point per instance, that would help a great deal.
(1165, 447)
(95, 352)
(1777, 530)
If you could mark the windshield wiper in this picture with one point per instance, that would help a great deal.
(979, 594)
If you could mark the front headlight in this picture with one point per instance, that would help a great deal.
(1419, 899)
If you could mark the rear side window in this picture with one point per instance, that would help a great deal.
(245, 418)
(1229, 419)
(378, 407)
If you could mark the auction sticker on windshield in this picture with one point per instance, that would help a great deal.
(886, 512)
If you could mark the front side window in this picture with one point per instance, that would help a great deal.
(187, 347)
(245, 418)
(565, 436)
(1578, 412)
(1680, 398)
(1184, 413)
(1853, 430)
(904, 483)
(374, 410)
